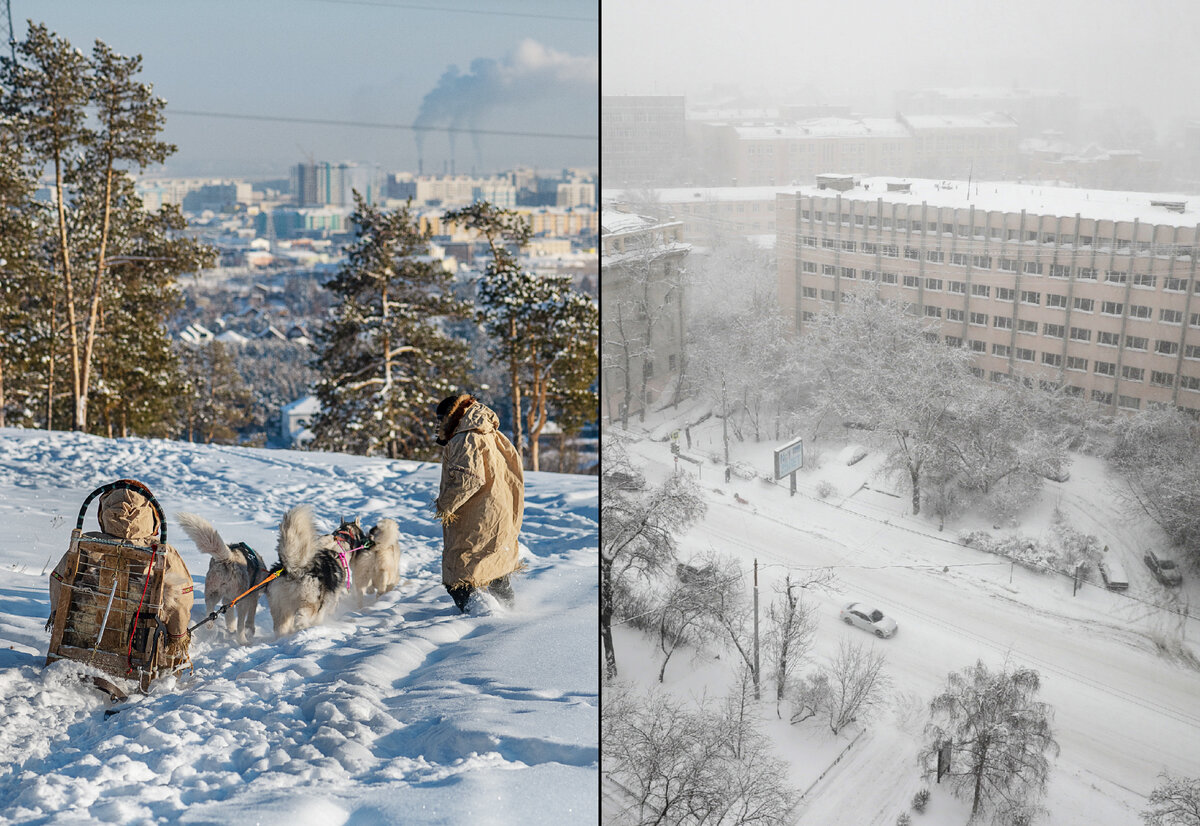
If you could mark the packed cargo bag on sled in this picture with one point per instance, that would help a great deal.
(121, 598)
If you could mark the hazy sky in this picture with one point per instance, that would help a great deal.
(521, 66)
(1109, 52)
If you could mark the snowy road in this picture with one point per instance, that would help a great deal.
(1123, 710)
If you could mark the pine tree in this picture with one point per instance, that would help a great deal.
(385, 359)
(546, 332)
(215, 403)
(92, 122)
(22, 274)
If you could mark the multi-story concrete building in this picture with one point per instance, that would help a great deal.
(1092, 290)
(642, 140)
(1034, 110)
(333, 184)
(642, 311)
(782, 152)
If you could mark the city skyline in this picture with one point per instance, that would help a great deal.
(251, 91)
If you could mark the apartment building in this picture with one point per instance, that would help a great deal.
(642, 311)
(642, 139)
(782, 152)
(1092, 290)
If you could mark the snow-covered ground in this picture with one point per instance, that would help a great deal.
(1120, 670)
(402, 712)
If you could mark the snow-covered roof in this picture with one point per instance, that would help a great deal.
(614, 221)
(1005, 196)
(303, 405)
(999, 196)
(826, 128)
(989, 120)
(230, 337)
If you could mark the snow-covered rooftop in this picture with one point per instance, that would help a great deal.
(614, 221)
(827, 128)
(988, 120)
(998, 196)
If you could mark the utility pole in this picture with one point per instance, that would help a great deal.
(12, 36)
(756, 628)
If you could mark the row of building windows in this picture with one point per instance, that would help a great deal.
(1032, 297)
(1105, 338)
(1005, 264)
(1029, 236)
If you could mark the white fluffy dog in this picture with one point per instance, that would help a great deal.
(232, 571)
(375, 567)
(307, 591)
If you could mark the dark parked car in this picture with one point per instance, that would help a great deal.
(1164, 570)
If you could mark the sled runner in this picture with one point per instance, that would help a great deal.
(120, 599)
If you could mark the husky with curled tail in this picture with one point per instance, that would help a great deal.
(375, 568)
(307, 591)
(233, 570)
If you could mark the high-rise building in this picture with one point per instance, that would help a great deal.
(333, 184)
(1093, 291)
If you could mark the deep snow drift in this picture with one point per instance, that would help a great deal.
(1121, 670)
(402, 712)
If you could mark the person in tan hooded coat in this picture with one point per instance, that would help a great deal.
(480, 502)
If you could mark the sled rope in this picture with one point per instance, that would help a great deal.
(137, 615)
(234, 601)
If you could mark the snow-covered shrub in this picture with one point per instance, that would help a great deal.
(920, 800)
(826, 489)
(903, 820)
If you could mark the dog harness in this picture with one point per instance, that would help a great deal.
(345, 536)
(254, 562)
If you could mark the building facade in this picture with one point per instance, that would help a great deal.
(642, 311)
(642, 139)
(1094, 291)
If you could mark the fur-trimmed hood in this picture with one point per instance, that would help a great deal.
(467, 413)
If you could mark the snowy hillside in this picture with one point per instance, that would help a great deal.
(1121, 670)
(403, 712)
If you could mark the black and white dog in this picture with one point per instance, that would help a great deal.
(233, 570)
(313, 577)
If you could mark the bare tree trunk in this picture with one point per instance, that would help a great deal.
(69, 290)
(514, 380)
(606, 597)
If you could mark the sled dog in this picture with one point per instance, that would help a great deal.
(375, 568)
(313, 577)
(233, 570)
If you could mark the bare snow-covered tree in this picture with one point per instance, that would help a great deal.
(1174, 802)
(791, 624)
(640, 527)
(998, 442)
(739, 361)
(1158, 455)
(1000, 736)
(684, 617)
(686, 765)
(876, 366)
(848, 688)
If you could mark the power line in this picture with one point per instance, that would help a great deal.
(399, 126)
(489, 12)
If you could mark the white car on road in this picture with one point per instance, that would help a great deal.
(868, 618)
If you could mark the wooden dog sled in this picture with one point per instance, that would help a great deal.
(120, 599)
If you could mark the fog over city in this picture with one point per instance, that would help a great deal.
(1131, 65)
